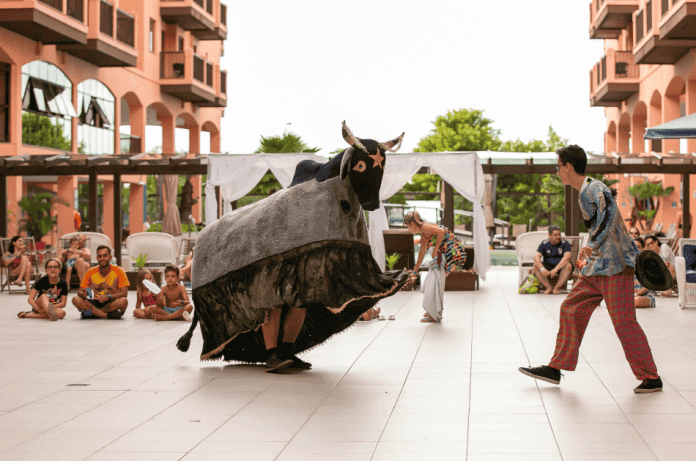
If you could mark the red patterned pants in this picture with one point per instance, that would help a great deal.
(588, 292)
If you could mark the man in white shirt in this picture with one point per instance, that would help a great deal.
(652, 242)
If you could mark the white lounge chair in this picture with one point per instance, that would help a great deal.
(686, 275)
(526, 245)
(161, 249)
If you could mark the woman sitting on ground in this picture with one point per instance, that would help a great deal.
(643, 296)
(18, 261)
(441, 240)
(49, 295)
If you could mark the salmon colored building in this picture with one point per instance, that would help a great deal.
(95, 67)
(647, 77)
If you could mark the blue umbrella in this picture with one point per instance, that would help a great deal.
(684, 127)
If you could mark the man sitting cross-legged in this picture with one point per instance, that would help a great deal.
(553, 258)
(103, 290)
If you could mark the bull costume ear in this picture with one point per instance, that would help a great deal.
(393, 145)
(345, 162)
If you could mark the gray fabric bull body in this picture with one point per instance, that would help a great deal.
(305, 246)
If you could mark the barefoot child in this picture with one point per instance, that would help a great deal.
(172, 302)
(144, 297)
(48, 296)
(69, 257)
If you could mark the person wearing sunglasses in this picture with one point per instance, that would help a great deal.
(49, 295)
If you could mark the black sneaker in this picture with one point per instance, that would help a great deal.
(276, 363)
(648, 386)
(544, 373)
(114, 315)
(86, 315)
(299, 363)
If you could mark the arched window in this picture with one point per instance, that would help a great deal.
(95, 129)
(46, 106)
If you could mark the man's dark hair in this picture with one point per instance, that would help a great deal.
(575, 155)
(553, 228)
(172, 268)
(654, 237)
(640, 239)
(104, 247)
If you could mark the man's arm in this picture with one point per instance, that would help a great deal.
(563, 263)
(184, 295)
(537, 261)
(605, 213)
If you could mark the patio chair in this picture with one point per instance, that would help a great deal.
(526, 245)
(160, 248)
(185, 249)
(542, 228)
(686, 273)
(6, 275)
(671, 231)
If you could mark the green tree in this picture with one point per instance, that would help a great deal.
(646, 199)
(287, 143)
(460, 130)
(39, 130)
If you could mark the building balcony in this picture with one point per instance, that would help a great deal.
(614, 79)
(111, 37)
(609, 17)
(678, 19)
(650, 46)
(205, 19)
(190, 78)
(46, 21)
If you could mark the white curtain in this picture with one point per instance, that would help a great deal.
(171, 224)
(237, 175)
(465, 174)
(398, 171)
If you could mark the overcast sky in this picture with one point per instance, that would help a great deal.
(388, 66)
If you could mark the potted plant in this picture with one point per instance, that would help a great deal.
(38, 208)
(392, 259)
(138, 264)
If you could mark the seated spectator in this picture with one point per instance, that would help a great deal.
(103, 290)
(82, 264)
(18, 261)
(172, 302)
(49, 295)
(553, 258)
(643, 296)
(69, 257)
(186, 270)
(144, 297)
(634, 232)
(652, 242)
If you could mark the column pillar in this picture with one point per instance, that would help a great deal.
(117, 218)
(92, 208)
(215, 142)
(610, 141)
(670, 111)
(117, 126)
(572, 212)
(137, 117)
(197, 208)
(686, 206)
(448, 206)
(136, 211)
(74, 142)
(624, 134)
(637, 133)
(67, 185)
(168, 131)
(14, 211)
(107, 207)
(194, 139)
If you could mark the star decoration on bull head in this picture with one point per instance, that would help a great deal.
(378, 160)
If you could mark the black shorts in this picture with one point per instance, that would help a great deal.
(548, 266)
(96, 303)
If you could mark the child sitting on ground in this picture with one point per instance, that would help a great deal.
(69, 257)
(172, 302)
(144, 297)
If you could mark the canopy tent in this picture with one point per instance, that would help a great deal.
(462, 170)
(684, 127)
(238, 174)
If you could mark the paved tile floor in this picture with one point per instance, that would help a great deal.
(391, 390)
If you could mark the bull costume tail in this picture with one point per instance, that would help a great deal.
(185, 341)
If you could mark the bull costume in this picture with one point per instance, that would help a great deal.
(303, 247)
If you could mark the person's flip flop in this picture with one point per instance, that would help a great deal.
(23, 314)
(381, 317)
(391, 317)
(424, 320)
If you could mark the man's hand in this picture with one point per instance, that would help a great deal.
(103, 298)
(82, 293)
(585, 252)
(545, 272)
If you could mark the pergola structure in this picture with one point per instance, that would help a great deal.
(64, 164)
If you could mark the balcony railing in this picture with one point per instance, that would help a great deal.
(198, 68)
(57, 4)
(172, 64)
(223, 14)
(648, 16)
(624, 66)
(76, 9)
(200, 3)
(209, 7)
(106, 18)
(640, 26)
(125, 28)
(223, 82)
(665, 7)
(209, 74)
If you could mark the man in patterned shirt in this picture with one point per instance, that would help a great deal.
(608, 275)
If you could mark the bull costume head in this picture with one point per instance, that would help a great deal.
(363, 163)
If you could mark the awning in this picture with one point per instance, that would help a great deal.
(684, 127)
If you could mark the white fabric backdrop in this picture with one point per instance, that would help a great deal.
(238, 174)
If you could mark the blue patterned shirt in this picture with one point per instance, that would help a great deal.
(612, 248)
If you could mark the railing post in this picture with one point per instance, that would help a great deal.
(92, 209)
(3, 205)
(572, 213)
(118, 219)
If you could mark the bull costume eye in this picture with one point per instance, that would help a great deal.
(360, 166)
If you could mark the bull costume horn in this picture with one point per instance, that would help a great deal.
(350, 138)
(393, 145)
